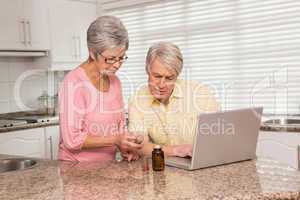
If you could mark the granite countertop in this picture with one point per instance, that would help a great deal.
(54, 120)
(260, 179)
(29, 126)
(280, 128)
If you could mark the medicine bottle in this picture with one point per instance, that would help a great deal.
(158, 160)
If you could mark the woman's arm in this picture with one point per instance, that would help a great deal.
(123, 141)
(74, 132)
(95, 142)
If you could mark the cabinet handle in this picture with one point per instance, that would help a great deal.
(24, 32)
(51, 147)
(29, 32)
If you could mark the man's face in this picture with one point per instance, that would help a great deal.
(161, 81)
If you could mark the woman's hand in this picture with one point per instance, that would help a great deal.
(183, 150)
(130, 145)
(130, 156)
(127, 142)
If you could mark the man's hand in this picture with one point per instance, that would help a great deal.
(183, 150)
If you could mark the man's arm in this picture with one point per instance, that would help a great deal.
(169, 150)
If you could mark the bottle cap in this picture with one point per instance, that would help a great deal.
(157, 147)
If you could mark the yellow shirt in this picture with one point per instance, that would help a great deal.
(176, 122)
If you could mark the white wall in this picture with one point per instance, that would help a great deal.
(100, 10)
(31, 88)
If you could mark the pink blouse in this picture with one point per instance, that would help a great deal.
(84, 111)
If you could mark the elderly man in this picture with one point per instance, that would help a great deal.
(166, 109)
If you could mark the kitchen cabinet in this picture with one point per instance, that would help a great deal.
(24, 25)
(29, 142)
(12, 32)
(37, 24)
(280, 146)
(69, 21)
(37, 142)
(52, 142)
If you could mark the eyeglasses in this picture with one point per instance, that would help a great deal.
(114, 60)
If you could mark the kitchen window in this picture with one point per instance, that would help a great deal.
(248, 51)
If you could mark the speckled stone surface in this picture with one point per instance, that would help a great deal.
(261, 179)
(53, 122)
(28, 126)
(41, 182)
(280, 128)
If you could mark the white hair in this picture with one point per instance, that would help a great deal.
(106, 32)
(169, 54)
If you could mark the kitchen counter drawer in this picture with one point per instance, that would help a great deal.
(280, 146)
(29, 143)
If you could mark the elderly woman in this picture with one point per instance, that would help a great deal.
(92, 120)
(166, 109)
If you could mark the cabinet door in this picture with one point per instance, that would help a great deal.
(280, 146)
(37, 24)
(29, 142)
(69, 21)
(87, 15)
(52, 142)
(12, 32)
(62, 25)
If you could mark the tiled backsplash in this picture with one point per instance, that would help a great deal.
(11, 69)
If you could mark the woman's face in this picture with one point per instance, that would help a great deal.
(109, 61)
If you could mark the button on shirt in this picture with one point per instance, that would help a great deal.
(174, 123)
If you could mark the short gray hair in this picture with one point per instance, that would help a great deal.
(168, 53)
(107, 32)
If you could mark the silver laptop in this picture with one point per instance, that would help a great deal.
(222, 138)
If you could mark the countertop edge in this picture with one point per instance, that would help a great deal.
(28, 126)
